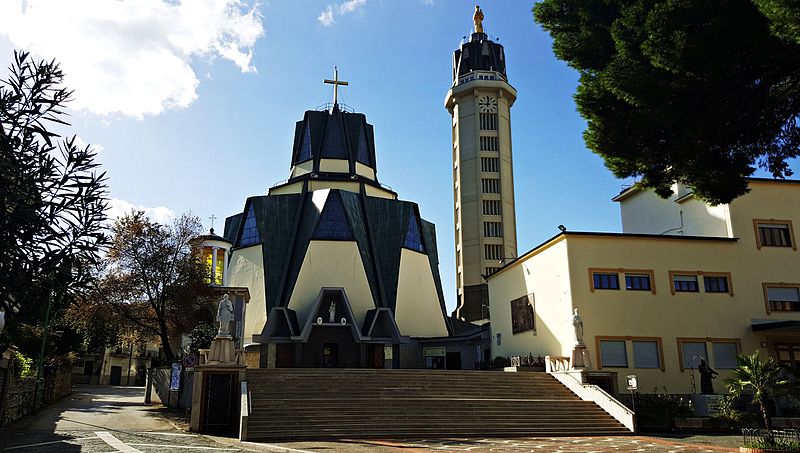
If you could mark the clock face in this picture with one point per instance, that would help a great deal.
(487, 104)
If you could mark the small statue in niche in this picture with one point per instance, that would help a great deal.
(706, 376)
(332, 312)
(224, 316)
(577, 324)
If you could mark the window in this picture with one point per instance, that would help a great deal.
(637, 282)
(499, 339)
(684, 283)
(493, 252)
(782, 297)
(691, 351)
(522, 318)
(489, 144)
(488, 121)
(492, 229)
(716, 284)
(492, 207)
(774, 233)
(490, 164)
(601, 280)
(646, 354)
(613, 353)
(725, 352)
(490, 185)
(250, 231)
(490, 270)
(413, 236)
(333, 224)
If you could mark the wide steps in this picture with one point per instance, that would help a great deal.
(357, 403)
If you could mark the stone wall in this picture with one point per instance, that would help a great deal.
(57, 383)
(19, 399)
(161, 383)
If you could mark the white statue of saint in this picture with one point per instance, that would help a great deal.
(332, 312)
(225, 316)
(577, 323)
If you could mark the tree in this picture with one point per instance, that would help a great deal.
(154, 278)
(700, 92)
(763, 379)
(52, 194)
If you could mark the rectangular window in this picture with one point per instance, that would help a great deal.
(492, 229)
(774, 233)
(685, 283)
(489, 144)
(522, 318)
(492, 207)
(646, 354)
(490, 270)
(716, 284)
(492, 252)
(691, 352)
(603, 280)
(488, 121)
(490, 164)
(782, 297)
(490, 185)
(613, 354)
(725, 354)
(637, 282)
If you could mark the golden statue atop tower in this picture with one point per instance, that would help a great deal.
(478, 19)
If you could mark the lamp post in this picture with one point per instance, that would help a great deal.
(37, 399)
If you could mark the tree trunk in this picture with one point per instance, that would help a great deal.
(162, 327)
(764, 414)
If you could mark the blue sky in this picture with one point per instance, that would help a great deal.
(194, 105)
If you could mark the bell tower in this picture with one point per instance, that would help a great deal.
(479, 102)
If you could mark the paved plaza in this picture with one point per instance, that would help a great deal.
(104, 419)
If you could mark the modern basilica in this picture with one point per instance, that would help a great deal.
(341, 273)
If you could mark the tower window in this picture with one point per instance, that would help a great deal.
(488, 121)
(413, 236)
(490, 164)
(492, 229)
(492, 207)
(493, 252)
(490, 270)
(489, 144)
(490, 185)
(333, 223)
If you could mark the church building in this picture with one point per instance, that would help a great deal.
(341, 273)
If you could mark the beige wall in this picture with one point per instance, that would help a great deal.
(646, 212)
(418, 313)
(331, 264)
(246, 269)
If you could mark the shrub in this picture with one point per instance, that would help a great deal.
(23, 365)
(658, 410)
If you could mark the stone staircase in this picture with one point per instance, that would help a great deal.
(298, 404)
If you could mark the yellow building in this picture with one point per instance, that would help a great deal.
(683, 281)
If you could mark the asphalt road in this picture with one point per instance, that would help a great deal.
(102, 419)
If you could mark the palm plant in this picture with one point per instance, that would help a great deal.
(762, 379)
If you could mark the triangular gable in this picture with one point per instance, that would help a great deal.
(334, 146)
(333, 224)
(414, 239)
(281, 323)
(380, 324)
(305, 144)
(250, 234)
(343, 309)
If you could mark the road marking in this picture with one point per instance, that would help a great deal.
(187, 447)
(279, 448)
(48, 443)
(112, 441)
(168, 434)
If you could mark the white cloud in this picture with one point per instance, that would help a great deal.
(133, 57)
(327, 17)
(118, 208)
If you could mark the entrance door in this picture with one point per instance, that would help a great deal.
(453, 361)
(116, 375)
(330, 355)
(375, 356)
(141, 375)
(220, 403)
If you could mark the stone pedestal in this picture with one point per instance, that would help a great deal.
(222, 351)
(706, 405)
(580, 357)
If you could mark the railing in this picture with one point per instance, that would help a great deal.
(779, 439)
(556, 363)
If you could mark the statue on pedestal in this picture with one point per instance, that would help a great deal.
(477, 18)
(577, 324)
(224, 316)
(706, 375)
(332, 312)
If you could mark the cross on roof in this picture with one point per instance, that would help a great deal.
(335, 82)
(213, 218)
